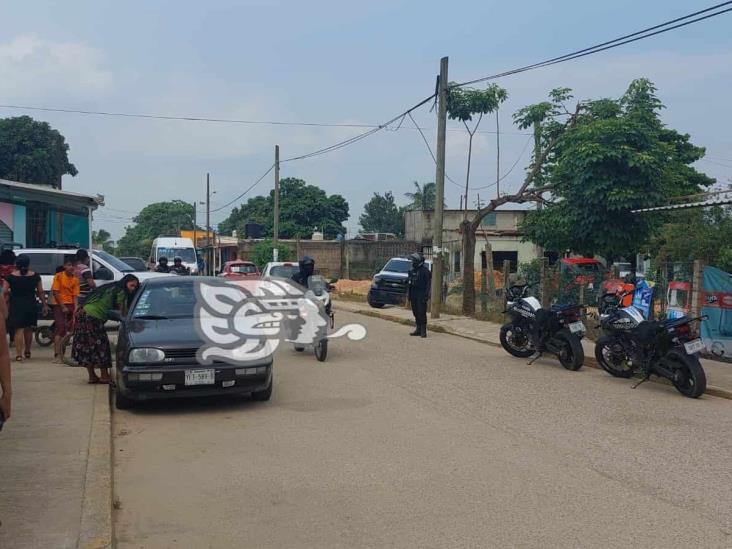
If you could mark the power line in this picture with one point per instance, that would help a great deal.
(610, 44)
(190, 118)
(715, 162)
(505, 175)
(245, 192)
(431, 153)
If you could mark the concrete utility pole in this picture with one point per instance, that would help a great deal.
(276, 222)
(208, 225)
(439, 192)
(195, 233)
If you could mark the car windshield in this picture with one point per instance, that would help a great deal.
(170, 301)
(243, 268)
(113, 261)
(135, 262)
(186, 254)
(398, 266)
(284, 271)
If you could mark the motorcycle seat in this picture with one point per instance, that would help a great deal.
(559, 307)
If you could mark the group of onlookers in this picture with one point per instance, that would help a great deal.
(80, 310)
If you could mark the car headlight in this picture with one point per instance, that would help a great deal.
(145, 355)
(376, 280)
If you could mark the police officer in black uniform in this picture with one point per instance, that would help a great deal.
(162, 266)
(307, 269)
(178, 267)
(420, 279)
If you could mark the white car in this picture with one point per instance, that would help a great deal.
(280, 269)
(105, 267)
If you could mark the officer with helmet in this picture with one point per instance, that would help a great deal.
(307, 269)
(178, 267)
(419, 279)
(162, 266)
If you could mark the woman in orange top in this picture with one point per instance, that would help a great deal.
(65, 291)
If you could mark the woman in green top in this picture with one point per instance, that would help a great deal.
(90, 347)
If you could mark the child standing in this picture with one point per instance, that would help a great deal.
(65, 291)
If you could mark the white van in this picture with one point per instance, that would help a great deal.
(105, 267)
(172, 246)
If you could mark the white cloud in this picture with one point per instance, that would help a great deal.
(33, 68)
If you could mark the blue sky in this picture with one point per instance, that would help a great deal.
(335, 62)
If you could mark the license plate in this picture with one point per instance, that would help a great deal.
(576, 327)
(200, 377)
(693, 347)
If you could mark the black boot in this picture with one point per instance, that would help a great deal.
(423, 330)
(417, 331)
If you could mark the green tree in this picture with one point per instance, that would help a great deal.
(423, 197)
(33, 152)
(263, 253)
(158, 219)
(704, 234)
(303, 209)
(466, 103)
(382, 215)
(616, 158)
(104, 239)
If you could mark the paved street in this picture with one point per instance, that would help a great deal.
(444, 442)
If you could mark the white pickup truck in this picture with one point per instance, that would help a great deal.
(105, 267)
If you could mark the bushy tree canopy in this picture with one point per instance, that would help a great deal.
(33, 152)
(617, 157)
(303, 208)
(158, 219)
(382, 215)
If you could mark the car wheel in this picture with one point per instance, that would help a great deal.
(265, 395)
(121, 402)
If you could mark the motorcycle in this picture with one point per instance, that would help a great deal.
(632, 345)
(535, 330)
(319, 293)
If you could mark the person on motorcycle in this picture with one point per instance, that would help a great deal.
(419, 279)
(162, 266)
(178, 267)
(307, 269)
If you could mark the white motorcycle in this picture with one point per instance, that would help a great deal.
(318, 293)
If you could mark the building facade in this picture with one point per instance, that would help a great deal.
(37, 216)
(500, 229)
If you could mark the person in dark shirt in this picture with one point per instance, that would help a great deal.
(419, 279)
(178, 267)
(163, 266)
(307, 269)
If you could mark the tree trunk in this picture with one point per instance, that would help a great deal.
(467, 175)
(468, 268)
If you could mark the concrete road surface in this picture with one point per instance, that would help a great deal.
(403, 442)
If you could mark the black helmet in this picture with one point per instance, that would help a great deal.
(307, 264)
(177, 259)
(417, 259)
(163, 260)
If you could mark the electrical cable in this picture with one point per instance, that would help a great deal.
(245, 192)
(627, 39)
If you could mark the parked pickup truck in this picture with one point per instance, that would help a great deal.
(389, 285)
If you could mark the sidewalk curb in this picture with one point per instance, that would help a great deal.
(590, 361)
(95, 531)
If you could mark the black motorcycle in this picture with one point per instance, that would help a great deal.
(634, 346)
(535, 331)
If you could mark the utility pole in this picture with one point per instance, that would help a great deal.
(276, 222)
(498, 157)
(439, 192)
(208, 225)
(195, 236)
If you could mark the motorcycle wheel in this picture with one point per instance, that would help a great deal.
(612, 363)
(44, 336)
(571, 356)
(321, 350)
(691, 381)
(515, 341)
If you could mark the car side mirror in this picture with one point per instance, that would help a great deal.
(102, 273)
(115, 315)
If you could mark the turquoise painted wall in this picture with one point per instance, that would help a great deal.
(19, 224)
(76, 229)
